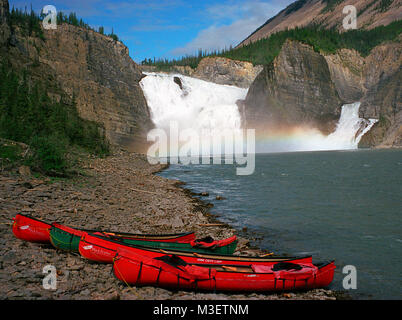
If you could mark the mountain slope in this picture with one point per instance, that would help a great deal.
(329, 14)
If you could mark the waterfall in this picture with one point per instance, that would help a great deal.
(193, 103)
(347, 135)
(198, 105)
(350, 129)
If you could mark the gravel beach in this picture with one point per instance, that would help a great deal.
(118, 193)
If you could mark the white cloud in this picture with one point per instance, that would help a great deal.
(245, 17)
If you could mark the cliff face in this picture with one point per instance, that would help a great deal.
(376, 82)
(347, 73)
(226, 71)
(383, 100)
(329, 14)
(97, 72)
(104, 80)
(295, 89)
(305, 87)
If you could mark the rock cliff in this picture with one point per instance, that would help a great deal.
(295, 89)
(94, 70)
(375, 81)
(104, 80)
(226, 71)
(305, 87)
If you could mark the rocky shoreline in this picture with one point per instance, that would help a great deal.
(118, 193)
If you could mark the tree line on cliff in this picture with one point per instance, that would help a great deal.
(264, 51)
(53, 130)
(30, 22)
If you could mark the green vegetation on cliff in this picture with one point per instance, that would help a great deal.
(322, 40)
(384, 5)
(264, 51)
(52, 129)
(30, 22)
(191, 61)
(73, 20)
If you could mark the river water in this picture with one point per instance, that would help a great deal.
(341, 205)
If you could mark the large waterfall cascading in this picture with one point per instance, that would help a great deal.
(199, 105)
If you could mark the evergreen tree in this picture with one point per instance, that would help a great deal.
(28, 115)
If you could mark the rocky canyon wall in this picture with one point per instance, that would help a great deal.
(305, 87)
(296, 88)
(90, 68)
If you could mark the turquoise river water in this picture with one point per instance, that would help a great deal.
(344, 205)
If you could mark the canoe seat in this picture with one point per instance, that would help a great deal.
(187, 271)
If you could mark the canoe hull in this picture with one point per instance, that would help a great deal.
(145, 272)
(30, 229)
(65, 238)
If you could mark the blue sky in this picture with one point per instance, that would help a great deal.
(169, 28)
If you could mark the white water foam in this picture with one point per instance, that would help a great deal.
(198, 105)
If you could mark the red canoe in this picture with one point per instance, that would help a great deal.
(173, 272)
(30, 229)
(101, 249)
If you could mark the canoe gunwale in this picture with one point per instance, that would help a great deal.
(321, 266)
(137, 236)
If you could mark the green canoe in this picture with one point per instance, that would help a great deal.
(68, 239)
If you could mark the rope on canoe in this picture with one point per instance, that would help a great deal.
(124, 280)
